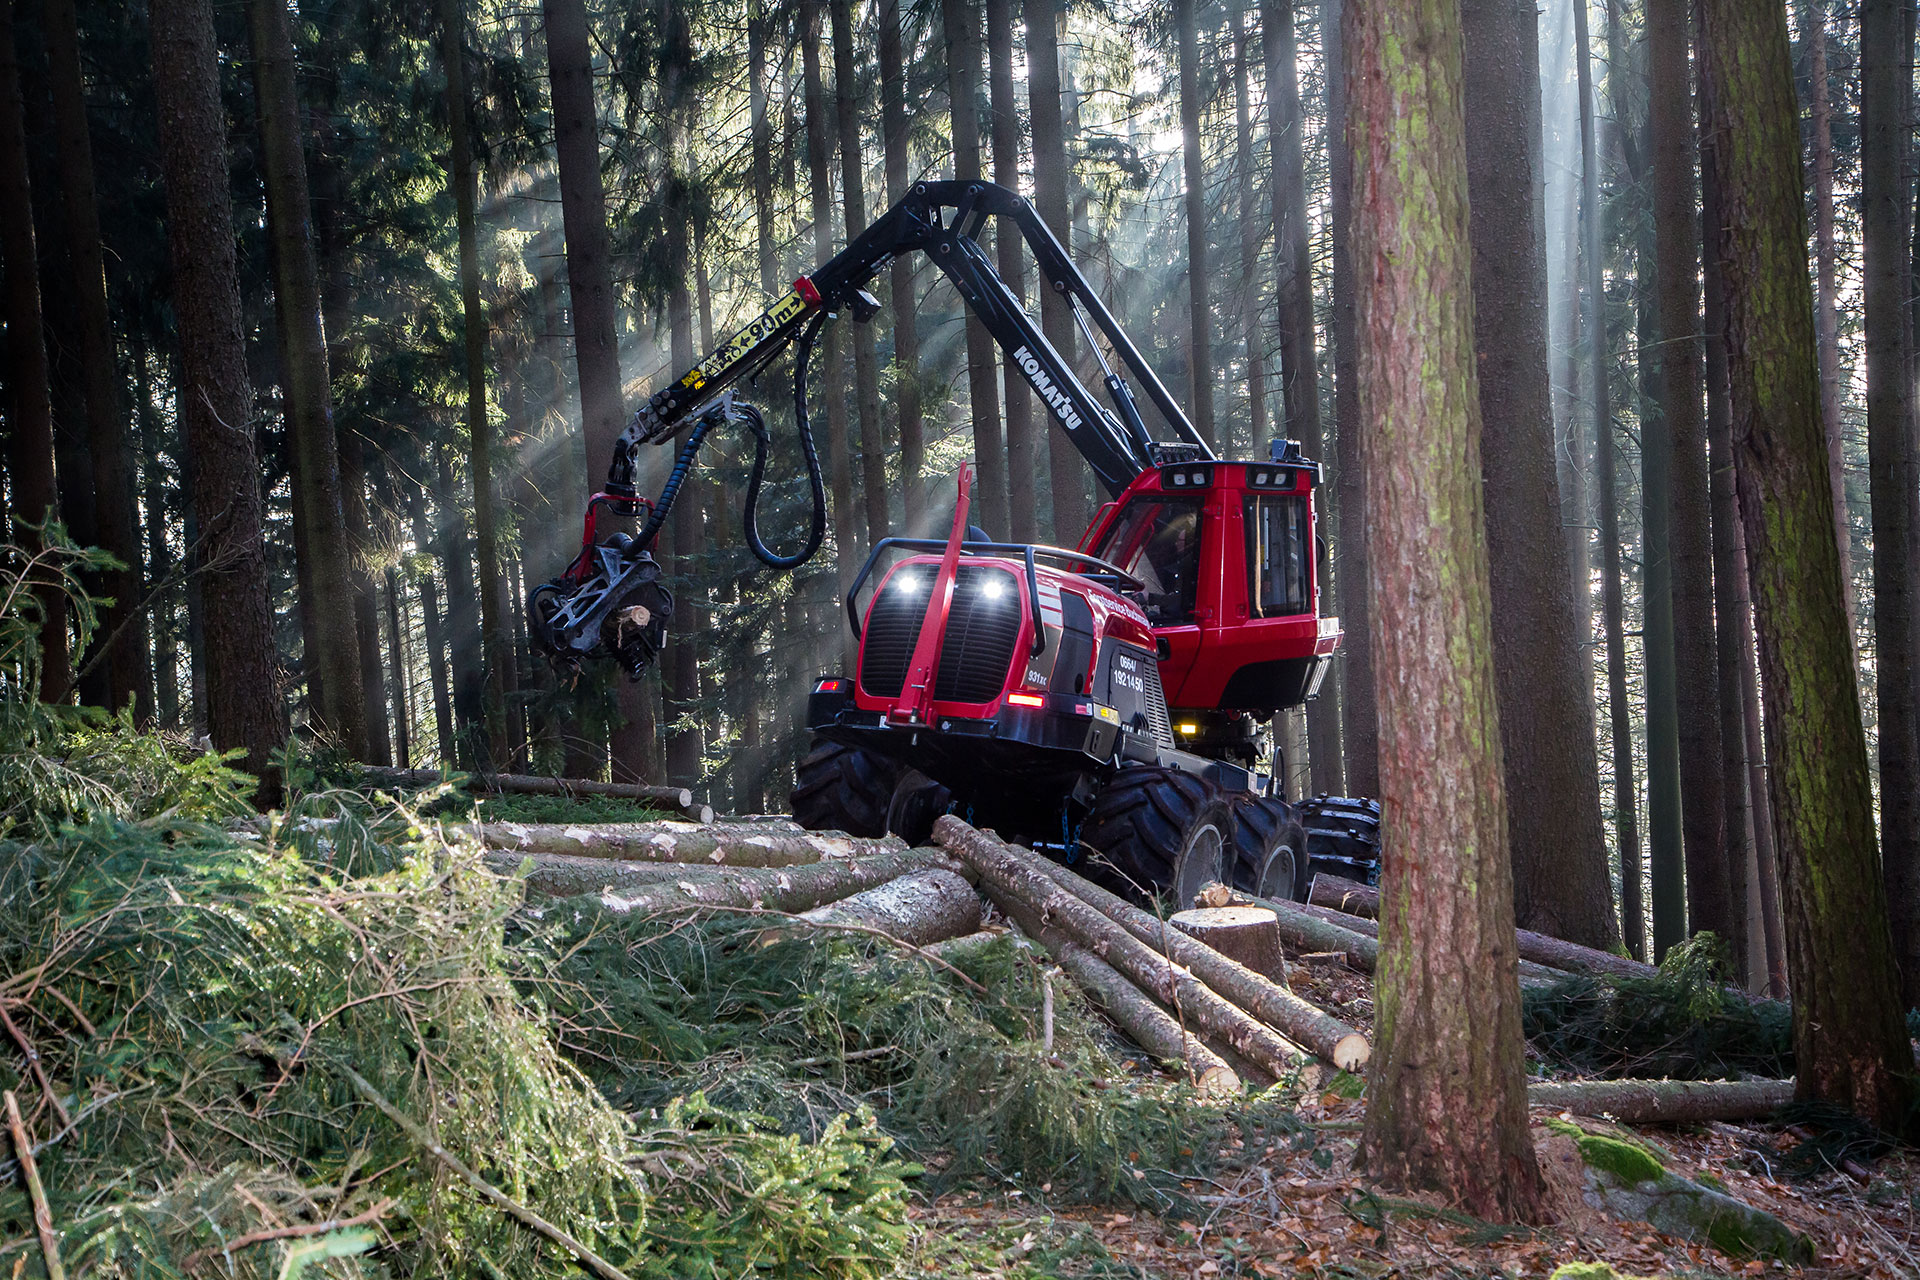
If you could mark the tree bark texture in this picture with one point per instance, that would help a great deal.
(111, 451)
(1446, 1101)
(1612, 601)
(1886, 193)
(1252, 232)
(1246, 935)
(1689, 535)
(33, 496)
(733, 888)
(866, 361)
(1826, 313)
(1194, 164)
(1360, 720)
(960, 22)
(1066, 468)
(1152, 1028)
(1850, 1042)
(1664, 1101)
(462, 616)
(906, 303)
(366, 594)
(701, 844)
(496, 644)
(1552, 771)
(433, 627)
(1010, 254)
(242, 694)
(918, 909)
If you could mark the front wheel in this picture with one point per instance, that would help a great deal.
(1270, 849)
(842, 788)
(1159, 830)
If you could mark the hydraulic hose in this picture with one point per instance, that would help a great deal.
(754, 422)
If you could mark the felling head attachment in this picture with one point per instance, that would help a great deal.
(609, 603)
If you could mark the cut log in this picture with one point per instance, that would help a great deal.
(1664, 1101)
(926, 907)
(1329, 1038)
(716, 845)
(523, 784)
(1531, 973)
(1250, 935)
(955, 950)
(1151, 1027)
(1354, 899)
(768, 888)
(593, 874)
(1018, 884)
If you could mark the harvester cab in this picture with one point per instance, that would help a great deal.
(1105, 703)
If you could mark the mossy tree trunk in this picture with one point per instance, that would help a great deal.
(1552, 771)
(1446, 1101)
(1850, 1042)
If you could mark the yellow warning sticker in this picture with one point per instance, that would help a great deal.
(742, 344)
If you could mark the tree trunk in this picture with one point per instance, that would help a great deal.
(463, 618)
(786, 889)
(1360, 720)
(433, 627)
(243, 699)
(397, 655)
(314, 450)
(1689, 536)
(1552, 772)
(1010, 250)
(1612, 579)
(1248, 936)
(1813, 19)
(846, 538)
(496, 644)
(906, 302)
(1664, 1101)
(918, 909)
(853, 192)
(30, 468)
(1886, 189)
(1252, 231)
(761, 147)
(1850, 1043)
(1446, 1102)
(122, 632)
(1151, 1027)
(960, 22)
(159, 556)
(694, 844)
(366, 594)
(1067, 470)
(1199, 312)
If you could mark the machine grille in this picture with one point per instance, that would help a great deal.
(1157, 707)
(982, 629)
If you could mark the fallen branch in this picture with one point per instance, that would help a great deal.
(678, 842)
(42, 1214)
(490, 1193)
(1329, 1038)
(1011, 878)
(1664, 1101)
(290, 1233)
(32, 1056)
(522, 784)
(780, 888)
(1354, 899)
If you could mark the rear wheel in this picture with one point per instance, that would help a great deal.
(842, 788)
(1270, 849)
(1343, 836)
(916, 802)
(1159, 830)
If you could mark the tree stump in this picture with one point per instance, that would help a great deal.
(1250, 935)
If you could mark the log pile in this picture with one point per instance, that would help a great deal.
(676, 798)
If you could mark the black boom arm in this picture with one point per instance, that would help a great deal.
(942, 219)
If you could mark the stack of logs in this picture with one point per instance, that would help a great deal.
(1204, 991)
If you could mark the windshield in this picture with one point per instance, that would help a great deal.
(1157, 540)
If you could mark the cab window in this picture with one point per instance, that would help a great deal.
(1279, 542)
(1157, 540)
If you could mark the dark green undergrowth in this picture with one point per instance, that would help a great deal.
(1680, 1024)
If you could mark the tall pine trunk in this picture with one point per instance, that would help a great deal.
(1626, 819)
(1850, 1041)
(1010, 252)
(1194, 166)
(244, 709)
(1360, 719)
(960, 20)
(905, 314)
(846, 536)
(853, 200)
(1886, 190)
(1826, 310)
(1689, 535)
(309, 396)
(433, 628)
(129, 677)
(1551, 772)
(1252, 231)
(496, 642)
(1299, 368)
(1446, 1098)
(1067, 470)
(685, 746)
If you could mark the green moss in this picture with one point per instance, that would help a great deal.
(1588, 1271)
(1629, 1162)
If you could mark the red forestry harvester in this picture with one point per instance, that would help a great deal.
(1105, 703)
